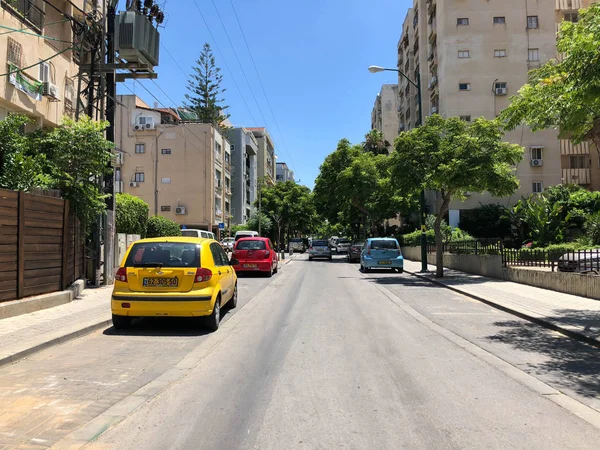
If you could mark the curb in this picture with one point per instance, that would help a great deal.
(543, 323)
(14, 357)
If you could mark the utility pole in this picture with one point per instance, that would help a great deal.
(111, 94)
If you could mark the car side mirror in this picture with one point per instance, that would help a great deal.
(233, 262)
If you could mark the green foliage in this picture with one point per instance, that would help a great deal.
(565, 95)
(354, 186)
(131, 214)
(414, 239)
(543, 219)
(486, 221)
(375, 143)
(236, 228)
(70, 158)
(266, 224)
(592, 227)
(204, 85)
(452, 156)
(159, 226)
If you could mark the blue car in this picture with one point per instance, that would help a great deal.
(381, 253)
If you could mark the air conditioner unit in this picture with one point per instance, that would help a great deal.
(133, 184)
(180, 210)
(138, 127)
(501, 91)
(149, 126)
(49, 90)
(537, 162)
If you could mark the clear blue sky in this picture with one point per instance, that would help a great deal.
(312, 57)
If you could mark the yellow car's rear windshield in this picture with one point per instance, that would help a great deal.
(164, 254)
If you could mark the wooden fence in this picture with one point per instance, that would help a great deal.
(41, 245)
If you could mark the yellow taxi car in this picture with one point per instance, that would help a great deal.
(174, 277)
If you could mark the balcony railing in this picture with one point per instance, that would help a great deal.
(26, 10)
(576, 176)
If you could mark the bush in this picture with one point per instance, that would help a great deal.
(486, 221)
(592, 228)
(159, 226)
(414, 239)
(131, 214)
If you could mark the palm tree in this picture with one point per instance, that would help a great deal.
(375, 143)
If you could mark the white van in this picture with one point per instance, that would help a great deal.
(245, 234)
(198, 233)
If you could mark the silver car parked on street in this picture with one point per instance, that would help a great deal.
(319, 249)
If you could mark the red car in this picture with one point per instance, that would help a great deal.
(255, 254)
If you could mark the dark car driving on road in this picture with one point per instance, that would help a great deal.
(354, 251)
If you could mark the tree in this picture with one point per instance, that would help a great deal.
(565, 94)
(486, 221)
(375, 143)
(131, 215)
(159, 226)
(542, 218)
(452, 156)
(205, 87)
(265, 223)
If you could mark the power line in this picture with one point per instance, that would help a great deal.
(260, 81)
(224, 62)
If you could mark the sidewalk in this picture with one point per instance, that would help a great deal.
(28, 333)
(577, 317)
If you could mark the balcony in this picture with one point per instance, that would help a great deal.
(118, 187)
(218, 212)
(431, 6)
(432, 82)
(568, 5)
(576, 176)
(568, 148)
(26, 11)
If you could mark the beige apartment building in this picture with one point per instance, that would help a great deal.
(181, 169)
(384, 116)
(34, 31)
(266, 155)
(471, 56)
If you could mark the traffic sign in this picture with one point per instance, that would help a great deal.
(221, 225)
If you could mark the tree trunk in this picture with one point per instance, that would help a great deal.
(439, 239)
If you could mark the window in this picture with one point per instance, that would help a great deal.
(464, 86)
(165, 180)
(15, 53)
(139, 177)
(577, 161)
(500, 88)
(165, 208)
(536, 152)
(534, 54)
(466, 118)
(227, 157)
(532, 22)
(501, 53)
(537, 187)
(571, 17)
(140, 148)
(462, 21)
(219, 256)
(218, 178)
(463, 54)
(44, 72)
(217, 148)
(232, 148)
(165, 151)
(226, 206)
(227, 182)
(499, 20)
(167, 254)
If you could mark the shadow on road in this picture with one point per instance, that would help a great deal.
(167, 326)
(574, 364)
(400, 280)
(455, 278)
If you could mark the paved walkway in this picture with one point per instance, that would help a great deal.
(27, 333)
(576, 316)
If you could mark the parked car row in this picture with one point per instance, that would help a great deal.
(185, 277)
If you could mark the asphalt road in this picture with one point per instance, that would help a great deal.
(326, 357)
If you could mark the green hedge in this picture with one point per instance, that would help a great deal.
(131, 214)
(159, 226)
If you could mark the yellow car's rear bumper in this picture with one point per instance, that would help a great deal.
(161, 306)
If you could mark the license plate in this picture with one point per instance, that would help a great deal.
(250, 266)
(385, 263)
(161, 282)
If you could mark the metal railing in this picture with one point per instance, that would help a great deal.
(27, 10)
(470, 247)
(582, 261)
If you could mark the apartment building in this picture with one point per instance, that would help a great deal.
(384, 116)
(266, 155)
(244, 175)
(34, 31)
(471, 56)
(181, 168)
(284, 173)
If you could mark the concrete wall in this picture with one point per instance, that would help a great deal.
(491, 266)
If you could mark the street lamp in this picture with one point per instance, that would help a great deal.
(417, 84)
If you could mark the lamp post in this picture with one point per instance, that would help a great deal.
(417, 84)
